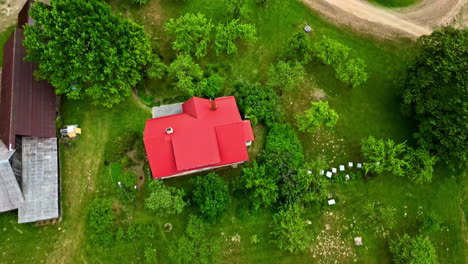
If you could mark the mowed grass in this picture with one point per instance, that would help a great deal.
(372, 109)
(394, 3)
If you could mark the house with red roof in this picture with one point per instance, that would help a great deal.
(197, 135)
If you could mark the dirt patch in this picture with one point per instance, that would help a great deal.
(9, 10)
(410, 22)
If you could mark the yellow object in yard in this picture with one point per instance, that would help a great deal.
(78, 131)
(71, 135)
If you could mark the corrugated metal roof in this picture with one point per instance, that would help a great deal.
(201, 137)
(40, 180)
(28, 106)
(10, 193)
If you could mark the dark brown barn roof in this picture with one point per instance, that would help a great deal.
(27, 106)
(23, 16)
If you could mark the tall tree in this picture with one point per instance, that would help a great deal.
(84, 50)
(331, 52)
(211, 193)
(165, 200)
(191, 33)
(318, 115)
(353, 72)
(227, 35)
(264, 191)
(436, 94)
(299, 48)
(290, 230)
(285, 76)
(186, 74)
(384, 155)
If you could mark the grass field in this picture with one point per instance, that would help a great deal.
(394, 3)
(372, 109)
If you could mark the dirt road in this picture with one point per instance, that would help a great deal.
(382, 22)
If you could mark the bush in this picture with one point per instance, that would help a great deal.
(384, 156)
(227, 35)
(317, 116)
(157, 68)
(150, 256)
(299, 48)
(283, 154)
(285, 76)
(430, 223)
(289, 230)
(164, 200)
(100, 219)
(379, 216)
(412, 250)
(262, 186)
(194, 246)
(211, 194)
(211, 86)
(263, 103)
(116, 147)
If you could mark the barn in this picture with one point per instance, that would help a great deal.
(29, 171)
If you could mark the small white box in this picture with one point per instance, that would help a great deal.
(341, 167)
(350, 164)
(331, 201)
(359, 165)
(329, 174)
(322, 172)
(334, 170)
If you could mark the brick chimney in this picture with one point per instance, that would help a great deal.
(213, 104)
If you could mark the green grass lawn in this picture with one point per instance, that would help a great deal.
(372, 109)
(3, 38)
(394, 3)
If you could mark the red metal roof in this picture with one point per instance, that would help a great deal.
(201, 138)
(27, 106)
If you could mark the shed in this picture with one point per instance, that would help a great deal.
(10, 192)
(40, 180)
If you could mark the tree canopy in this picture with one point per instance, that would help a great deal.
(290, 230)
(436, 94)
(211, 193)
(413, 250)
(84, 50)
(260, 102)
(299, 48)
(353, 72)
(227, 35)
(186, 74)
(164, 200)
(285, 76)
(191, 33)
(318, 115)
(264, 191)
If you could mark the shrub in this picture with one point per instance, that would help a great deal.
(299, 48)
(186, 75)
(317, 116)
(211, 194)
(164, 200)
(289, 229)
(194, 246)
(430, 223)
(150, 256)
(285, 76)
(263, 103)
(117, 147)
(379, 215)
(283, 154)
(211, 86)
(191, 33)
(412, 250)
(262, 186)
(227, 35)
(157, 68)
(353, 72)
(384, 156)
(100, 219)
